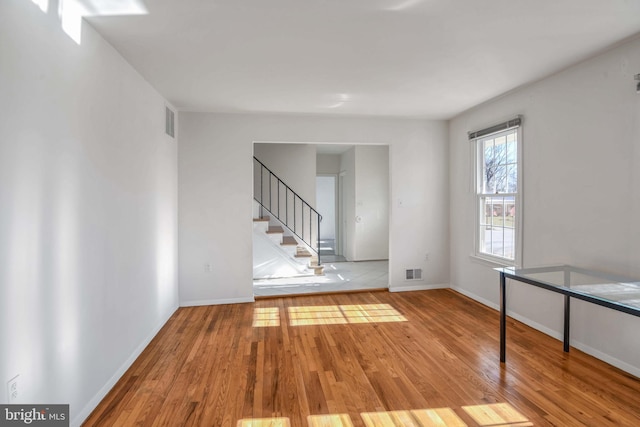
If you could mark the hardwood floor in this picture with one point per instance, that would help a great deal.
(368, 359)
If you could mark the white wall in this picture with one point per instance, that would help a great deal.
(328, 164)
(581, 138)
(326, 205)
(217, 148)
(372, 203)
(294, 164)
(88, 224)
(348, 176)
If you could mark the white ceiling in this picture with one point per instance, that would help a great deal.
(410, 58)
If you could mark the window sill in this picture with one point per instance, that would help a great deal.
(492, 262)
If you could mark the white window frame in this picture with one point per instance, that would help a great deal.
(480, 195)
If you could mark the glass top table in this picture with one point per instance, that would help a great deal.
(607, 290)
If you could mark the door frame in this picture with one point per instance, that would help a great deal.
(337, 210)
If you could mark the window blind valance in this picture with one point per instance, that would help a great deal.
(515, 122)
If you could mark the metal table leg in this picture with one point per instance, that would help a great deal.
(567, 320)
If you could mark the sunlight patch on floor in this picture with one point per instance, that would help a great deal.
(493, 415)
(264, 422)
(266, 316)
(332, 420)
(497, 415)
(440, 417)
(344, 314)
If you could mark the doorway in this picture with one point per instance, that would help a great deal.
(349, 186)
(328, 205)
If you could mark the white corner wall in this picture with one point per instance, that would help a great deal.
(328, 164)
(215, 195)
(581, 137)
(88, 224)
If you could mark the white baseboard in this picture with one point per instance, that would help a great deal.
(633, 370)
(418, 287)
(196, 303)
(476, 297)
(535, 325)
(95, 401)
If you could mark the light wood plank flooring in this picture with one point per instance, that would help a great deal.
(427, 358)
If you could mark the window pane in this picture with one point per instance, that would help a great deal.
(485, 212)
(494, 179)
(497, 245)
(485, 221)
(512, 151)
(500, 179)
(495, 207)
(500, 150)
(488, 148)
(512, 179)
(490, 171)
(498, 230)
(487, 173)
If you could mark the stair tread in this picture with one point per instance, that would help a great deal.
(275, 229)
(261, 219)
(289, 241)
(303, 254)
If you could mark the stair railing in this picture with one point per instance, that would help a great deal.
(276, 197)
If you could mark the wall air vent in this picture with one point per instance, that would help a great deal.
(413, 274)
(169, 126)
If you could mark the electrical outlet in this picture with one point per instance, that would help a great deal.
(13, 390)
(207, 267)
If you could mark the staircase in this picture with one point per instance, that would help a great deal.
(296, 250)
(292, 224)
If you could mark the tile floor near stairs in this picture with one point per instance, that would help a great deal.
(338, 276)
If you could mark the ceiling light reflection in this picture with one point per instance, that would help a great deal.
(342, 98)
(403, 5)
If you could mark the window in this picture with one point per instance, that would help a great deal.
(498, 194)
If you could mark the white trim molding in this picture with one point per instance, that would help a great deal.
(197, 303)
(418, 287)
(102, 393)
